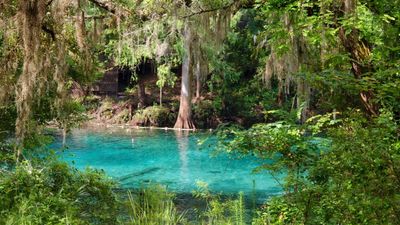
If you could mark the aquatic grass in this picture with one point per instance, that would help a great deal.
(230, 211)
(154, 205)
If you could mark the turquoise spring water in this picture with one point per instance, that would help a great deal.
(138, 157)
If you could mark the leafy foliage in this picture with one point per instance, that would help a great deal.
(153, 116)
(55, 194)
(350, 178)
(228, 211)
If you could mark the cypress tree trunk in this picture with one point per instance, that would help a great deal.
(184, 120)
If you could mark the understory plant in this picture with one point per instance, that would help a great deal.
(153, 116)
(51, 192)
(229, 211)
(153, 205)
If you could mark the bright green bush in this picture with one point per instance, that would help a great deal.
(54, 193)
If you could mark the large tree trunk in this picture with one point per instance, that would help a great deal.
(184, 120)
(359, 53)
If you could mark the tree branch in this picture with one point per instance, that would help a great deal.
(49, 31)
(111, 7)
(49, 3)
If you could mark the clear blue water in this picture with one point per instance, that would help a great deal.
(175, 159)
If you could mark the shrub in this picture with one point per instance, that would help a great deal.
(122, 116)
(351, 179)
(153, 116)
(106, 109)
(92, 102)
(55, 194)
(205, 114)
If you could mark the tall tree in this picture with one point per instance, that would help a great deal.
(184, 119)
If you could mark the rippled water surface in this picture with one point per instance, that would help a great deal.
(175, 159)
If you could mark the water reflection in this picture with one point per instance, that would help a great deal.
(182, 138)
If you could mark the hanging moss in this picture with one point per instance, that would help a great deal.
(31, 16)
(44, 58)
(284, 68)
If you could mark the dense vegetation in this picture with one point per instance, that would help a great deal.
(310, 86)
